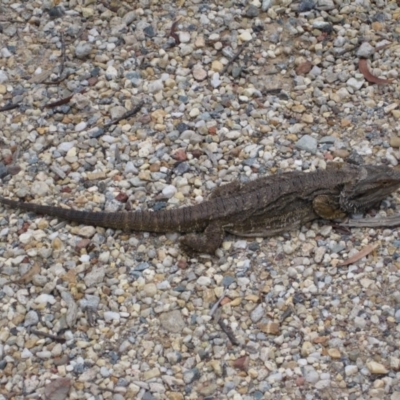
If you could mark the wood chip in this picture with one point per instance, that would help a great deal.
(364, 252)
(28, 276)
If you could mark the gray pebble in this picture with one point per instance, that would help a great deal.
(365, 50)
(31, 318)
(83, 49)
(266, 4)
(257, 313)
(325, 5)
(172, 321)
(307, 143)
(191, 375)
(252, 11)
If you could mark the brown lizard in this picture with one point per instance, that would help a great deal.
(259, 208)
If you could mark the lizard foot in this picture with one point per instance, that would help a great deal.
(207, 242)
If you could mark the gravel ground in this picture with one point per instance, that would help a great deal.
(151, 104)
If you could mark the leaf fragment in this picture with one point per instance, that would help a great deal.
(363, 67)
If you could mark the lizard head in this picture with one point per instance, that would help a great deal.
(374, 184)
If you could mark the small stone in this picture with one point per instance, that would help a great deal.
(45, 298)
(245, 36)
(150, 289)
(252, 11)
(39, 189)
(3, 89)
(83, 49)
(355, 83)
(306, 5)
(325, 5)
(152, 373)
(111, 316)
(175, 396)
(172, 321)
(307, 348)
(351, 370)
(365, 50)
(87, 12)
(129, 17)
(105, 372)
(307, 143)
(257, 313)
(204, 281)
(199, 73)
(81, 126)
(86, 231)
(156, 86)
(334, 353)
(191, 375)
(111, 72)
(266, 4)
(184, 37)
(169, 191)
(376, 368)
(217, 66)
(26, 354)
(310, 374)
(117, 112)
(271, 328)
(31, 318)
(194, 112)
(94, 277)
(3, 76)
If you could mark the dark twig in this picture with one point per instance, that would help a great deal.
(47, 335)
(234, 58)
(173, 33)
(228, 331)
(216, 305)
(62, 101)
(9, 107)
(62, 55)
(128, 114)
(58, 81)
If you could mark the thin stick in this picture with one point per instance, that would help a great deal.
(215, 306)
(48, 335)
(234, 58)
(228, 331)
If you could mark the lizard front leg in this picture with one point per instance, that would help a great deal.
(207, 242)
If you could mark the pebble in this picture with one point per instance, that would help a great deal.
(376, 368)
(199, 73)
(172, 321)
(83, 49)
(307, 143)
(365, 50)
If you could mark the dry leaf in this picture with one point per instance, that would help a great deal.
(57, 389)
(70, 276)
(304, 68)
(27, 277)
(241, 363)
(363, 67)
(364, 252)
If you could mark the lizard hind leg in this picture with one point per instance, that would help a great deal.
(327, 208)
(207, 242)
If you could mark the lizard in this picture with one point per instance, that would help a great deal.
(262, 207)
